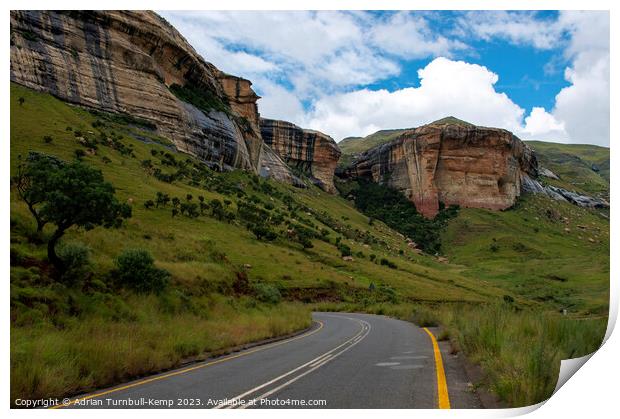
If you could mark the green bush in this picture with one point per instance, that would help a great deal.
(388, 263)
(136, 270)
(76, 260)
(267, 293)
(344, 250)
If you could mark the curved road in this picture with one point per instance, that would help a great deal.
(345, 361)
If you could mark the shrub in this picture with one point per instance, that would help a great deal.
(136, 270)
(47, 139)
(267, 293)
(344, 250)
(76, 261)
(149, 204)
(388, 263)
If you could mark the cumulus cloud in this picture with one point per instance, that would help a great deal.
(447, 87)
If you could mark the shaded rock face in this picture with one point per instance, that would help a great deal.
(452, 163)
(127, 62)
(312, 152)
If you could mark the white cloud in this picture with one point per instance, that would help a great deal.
(584, 105)
(540, 122)
(522, 28)
(410, 36)
(447, 87)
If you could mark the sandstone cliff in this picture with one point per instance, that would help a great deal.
(136, 63)
(312, 152)
(452, 162)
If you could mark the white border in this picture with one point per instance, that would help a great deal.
(590, 393)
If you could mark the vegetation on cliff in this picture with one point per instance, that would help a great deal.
(390, 206)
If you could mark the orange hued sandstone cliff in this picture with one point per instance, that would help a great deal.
(453, 162)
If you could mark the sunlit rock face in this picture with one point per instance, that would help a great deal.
(130, 63)
(453, 162)
(314, 153)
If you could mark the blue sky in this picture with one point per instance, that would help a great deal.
(543, 75)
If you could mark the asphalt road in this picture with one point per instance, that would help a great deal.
(344, 361)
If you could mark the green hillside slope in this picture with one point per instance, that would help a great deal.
(228, 286)
(583, 168)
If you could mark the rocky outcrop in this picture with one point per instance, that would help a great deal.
(136, 63)
(312, 152)
(560, 194)
(452, 162)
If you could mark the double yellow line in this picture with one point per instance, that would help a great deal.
(185, 370)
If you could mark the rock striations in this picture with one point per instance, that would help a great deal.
(137, 64)
(453, 162)
(311, 152)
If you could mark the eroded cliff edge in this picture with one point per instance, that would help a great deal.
(137, 64)
(451, 162)
(312, 152)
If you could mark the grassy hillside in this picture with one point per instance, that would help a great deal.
(583, 168)
(229, 287)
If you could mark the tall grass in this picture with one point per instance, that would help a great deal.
(94, 351)
(519, 351)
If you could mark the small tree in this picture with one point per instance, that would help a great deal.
(70, 194)
(21, 100)
(31, 182)
(149, 204)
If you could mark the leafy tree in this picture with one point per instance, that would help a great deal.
(262, 232)
(71, 194)
(161, 199)
(31, 182)
(217, 209)
(176, 202)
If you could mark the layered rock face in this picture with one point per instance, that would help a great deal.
(312, 152)
(453, 163)
(131, 63)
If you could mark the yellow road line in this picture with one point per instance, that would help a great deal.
(196, 367)
(442, 385)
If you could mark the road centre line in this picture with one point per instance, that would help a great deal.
(319, 361)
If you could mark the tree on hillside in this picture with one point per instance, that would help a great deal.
(71, 194)
(31, 182)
